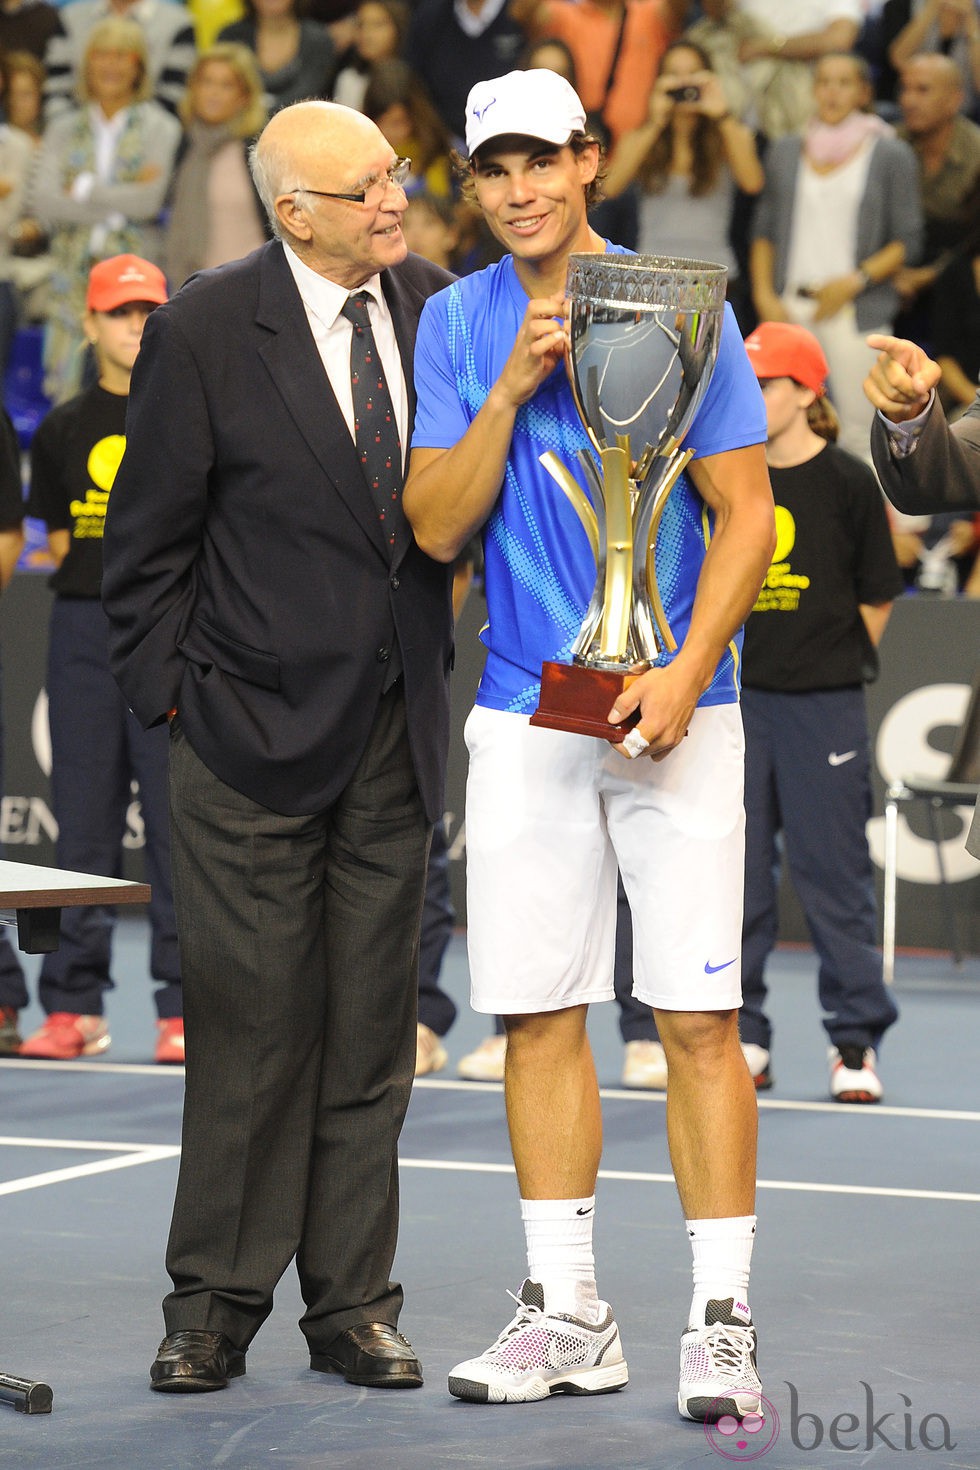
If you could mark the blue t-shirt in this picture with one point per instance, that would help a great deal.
(539, 566)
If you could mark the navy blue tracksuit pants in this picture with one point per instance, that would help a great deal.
(808, 778)
(98, 749)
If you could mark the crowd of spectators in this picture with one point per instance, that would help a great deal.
(827, 151)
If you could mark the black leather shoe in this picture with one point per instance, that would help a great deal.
(194, 1362)
(372, 1355)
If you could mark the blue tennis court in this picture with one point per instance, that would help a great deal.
(864, 1277)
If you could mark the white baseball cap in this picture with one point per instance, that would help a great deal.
(531, 104)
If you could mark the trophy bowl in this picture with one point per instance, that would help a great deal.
(643, 336)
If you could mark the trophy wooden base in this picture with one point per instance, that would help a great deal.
(577, 698)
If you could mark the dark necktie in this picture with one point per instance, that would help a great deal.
(375, 428)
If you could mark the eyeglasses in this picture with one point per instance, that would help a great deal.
(396, 176)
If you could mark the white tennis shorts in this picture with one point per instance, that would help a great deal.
(550, 816)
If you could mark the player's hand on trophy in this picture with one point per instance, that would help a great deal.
(901, 379)
(666, 703)
(538, 349)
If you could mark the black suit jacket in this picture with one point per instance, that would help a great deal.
(942, 474)
(246, 579)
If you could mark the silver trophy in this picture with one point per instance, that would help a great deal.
(643, 340)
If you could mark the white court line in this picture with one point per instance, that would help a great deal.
(94, 1145)
(773, 1104)
(637, 1178)
(153, 1153)
(148, 1155)
(97, 1068)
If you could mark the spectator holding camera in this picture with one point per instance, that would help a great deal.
(689, 156)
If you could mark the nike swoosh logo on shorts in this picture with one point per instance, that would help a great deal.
(834, 759)
(710, 969)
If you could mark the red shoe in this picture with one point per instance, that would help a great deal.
(170, 1041)
(65, 1036)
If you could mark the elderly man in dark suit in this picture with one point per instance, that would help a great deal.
(926, 466)
(266, 595)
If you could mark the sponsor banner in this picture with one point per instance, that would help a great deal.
(929, 655)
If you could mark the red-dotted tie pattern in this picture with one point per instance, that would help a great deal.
(375, 429)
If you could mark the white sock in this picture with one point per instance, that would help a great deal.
(559, 1254)
(722, 1258)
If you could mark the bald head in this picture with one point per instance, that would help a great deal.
(941, 70)
(305, 142)
(305, 157)
(930, 92)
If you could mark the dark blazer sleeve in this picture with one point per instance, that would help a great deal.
(153, 531)
(942, 473)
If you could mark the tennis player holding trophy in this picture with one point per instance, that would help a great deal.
(552, 812)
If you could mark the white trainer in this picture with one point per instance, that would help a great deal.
(757, 1061)
(539, 1354)
(486, 1062)
(853, 1078)
(430, 1054)
(718, 1371)
(645, 1065)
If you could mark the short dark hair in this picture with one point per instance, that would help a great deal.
(578, 142)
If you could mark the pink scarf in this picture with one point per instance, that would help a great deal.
(828, 145)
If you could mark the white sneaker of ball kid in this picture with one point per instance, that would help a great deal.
(853, 1074)
(645, 1065)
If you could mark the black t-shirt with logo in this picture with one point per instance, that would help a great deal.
(75, 454)
(11, 488)
(833, 553)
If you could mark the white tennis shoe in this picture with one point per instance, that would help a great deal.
(718, 1369)
(540, 1353)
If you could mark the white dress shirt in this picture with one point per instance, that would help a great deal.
(323, 301)
(903, 437)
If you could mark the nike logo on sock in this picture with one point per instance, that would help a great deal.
(587, 1211)
(834, 759)
(710, 969)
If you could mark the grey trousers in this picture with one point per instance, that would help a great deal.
(299, 948)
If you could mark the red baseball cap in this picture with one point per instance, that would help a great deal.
(122, 279)
(784, 350)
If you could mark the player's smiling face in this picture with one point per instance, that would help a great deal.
(533, 196)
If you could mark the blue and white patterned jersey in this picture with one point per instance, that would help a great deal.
(540, 569)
